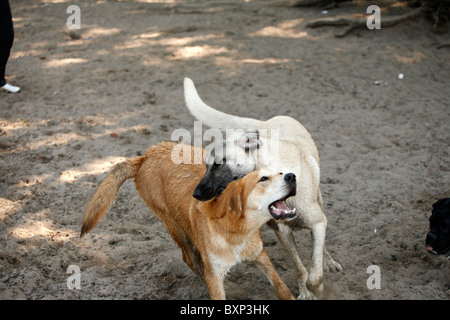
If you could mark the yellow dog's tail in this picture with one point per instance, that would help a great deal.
(211, 117)
(104, 196)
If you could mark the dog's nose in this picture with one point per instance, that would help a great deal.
(290, 177)
(197, 194)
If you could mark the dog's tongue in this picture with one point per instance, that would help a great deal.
(431, 250)
(281, 205)
(279, 209)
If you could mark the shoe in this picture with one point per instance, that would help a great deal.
(10, 88)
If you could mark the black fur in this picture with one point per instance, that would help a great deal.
(438, 238)
(218, 174)
(215, 180)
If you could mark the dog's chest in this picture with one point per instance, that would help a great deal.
(224, 255)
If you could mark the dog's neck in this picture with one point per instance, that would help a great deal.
(231, 221)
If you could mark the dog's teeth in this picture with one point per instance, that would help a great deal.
(294, 210)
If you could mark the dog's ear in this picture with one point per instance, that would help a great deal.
(236, 204)
(236, 197)
(249, 141)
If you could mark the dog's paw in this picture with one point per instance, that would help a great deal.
(305, 294)
(332, 266)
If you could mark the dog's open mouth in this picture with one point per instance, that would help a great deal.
(431, 250)
(280, 210)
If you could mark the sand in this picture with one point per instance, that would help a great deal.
(94, 96)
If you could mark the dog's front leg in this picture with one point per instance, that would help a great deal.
(214, 280)
(286, 238)
(315, 278)
(281, 290)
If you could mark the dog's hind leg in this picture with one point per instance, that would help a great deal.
(286, 238)
(328, 262)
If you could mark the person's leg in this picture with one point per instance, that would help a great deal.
(6, 42)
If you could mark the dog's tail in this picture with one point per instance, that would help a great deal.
(104, 196)
(212, 117)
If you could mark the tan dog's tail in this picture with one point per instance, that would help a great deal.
(106, 192)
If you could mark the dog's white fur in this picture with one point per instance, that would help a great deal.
(297, 154)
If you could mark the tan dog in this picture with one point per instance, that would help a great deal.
(213, 235)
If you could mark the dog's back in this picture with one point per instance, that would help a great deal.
(163, 186)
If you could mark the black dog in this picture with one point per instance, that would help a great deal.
(438, 238)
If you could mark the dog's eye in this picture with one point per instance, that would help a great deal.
(263, 179)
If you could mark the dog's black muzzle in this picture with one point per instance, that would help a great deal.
(204, 193)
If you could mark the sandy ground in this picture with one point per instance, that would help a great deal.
(92, 97)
